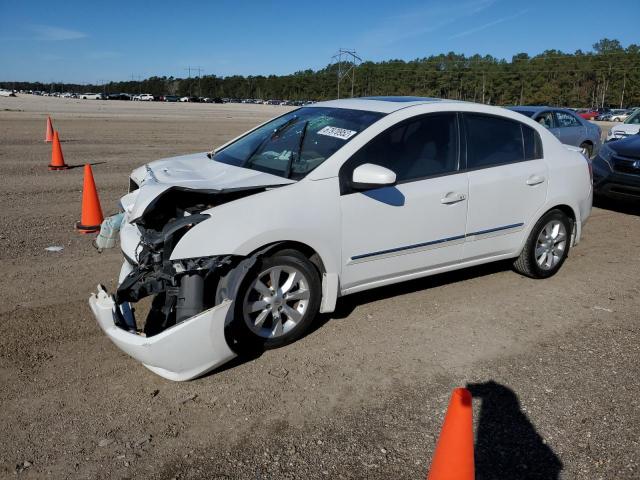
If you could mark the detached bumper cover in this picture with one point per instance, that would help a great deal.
(181, 352)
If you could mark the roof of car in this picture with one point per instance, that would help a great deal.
(537, 108)
(531, 108)
(378, 104)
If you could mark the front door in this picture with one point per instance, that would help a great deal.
(396, 232)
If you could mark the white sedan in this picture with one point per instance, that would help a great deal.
(241, 248)
(631, 126)
(92, 96)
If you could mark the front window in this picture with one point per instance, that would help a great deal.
(634, 118)
(294, 144)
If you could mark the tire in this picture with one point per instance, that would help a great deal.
(258, 330)
(588, 148)
(551, 250)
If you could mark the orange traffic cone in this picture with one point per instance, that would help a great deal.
(91, 211)
(48, 137)
(57, 159)
(453, 458)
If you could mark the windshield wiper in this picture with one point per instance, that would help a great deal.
(298, 154)
(276, 132)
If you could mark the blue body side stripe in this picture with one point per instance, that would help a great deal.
(497, 229)
(435, 242)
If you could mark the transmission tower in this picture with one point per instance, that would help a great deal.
(195, 69)
(346, 62)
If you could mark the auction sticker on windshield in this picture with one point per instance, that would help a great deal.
(341, 133)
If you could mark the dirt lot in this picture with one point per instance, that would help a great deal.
(554, 364)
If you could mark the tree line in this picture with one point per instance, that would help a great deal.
(607, 76)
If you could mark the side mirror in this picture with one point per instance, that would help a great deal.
(372, 176)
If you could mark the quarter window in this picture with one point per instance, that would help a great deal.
(417, 148)
(532, 143)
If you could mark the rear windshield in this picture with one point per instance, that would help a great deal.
(528, 113)
(294, 144)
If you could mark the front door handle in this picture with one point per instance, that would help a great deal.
(452, 197)
(535, 180)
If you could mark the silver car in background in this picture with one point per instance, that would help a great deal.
(567, 126)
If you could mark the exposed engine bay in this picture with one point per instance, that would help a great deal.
(182, 288)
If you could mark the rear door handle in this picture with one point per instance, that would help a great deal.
(535, 180)
(453, 197)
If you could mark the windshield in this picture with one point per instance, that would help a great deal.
(294, 144)
(634, 118)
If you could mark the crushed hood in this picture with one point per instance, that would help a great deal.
(196, 172)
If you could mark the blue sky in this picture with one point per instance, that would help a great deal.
(73, 42)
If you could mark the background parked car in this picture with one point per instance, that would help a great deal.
(171, 98)
(565, 124)
(118, 96)
(587, 113)
(616, 169)
(144, 97)
(620, 115)
(92, 96)
(631, 126)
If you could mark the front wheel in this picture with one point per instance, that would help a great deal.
(547, 247)
(277, 301)
(587, 149)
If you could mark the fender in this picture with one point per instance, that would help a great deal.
(297, 212)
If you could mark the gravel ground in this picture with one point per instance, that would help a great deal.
(553, 365)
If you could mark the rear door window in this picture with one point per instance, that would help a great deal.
(493, 141)
(565, 119)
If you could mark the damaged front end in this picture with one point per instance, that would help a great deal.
(186, 332)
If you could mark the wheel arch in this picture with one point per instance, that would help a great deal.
(565, 208)
(330, 280)
(308, 251)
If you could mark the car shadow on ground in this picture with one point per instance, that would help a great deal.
(348, 304)
(507, 444)
(628, 207)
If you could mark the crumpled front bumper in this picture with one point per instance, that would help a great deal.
(181, 352)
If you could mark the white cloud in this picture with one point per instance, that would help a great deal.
(421, 21)
(488, 25)
(54, 34)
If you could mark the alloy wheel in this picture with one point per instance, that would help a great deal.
(551, 245)
(276, 301)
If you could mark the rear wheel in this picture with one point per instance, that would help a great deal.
(277, 301)
(547, 246)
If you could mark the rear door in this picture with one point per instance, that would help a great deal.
(507, 183)
(572, 132)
